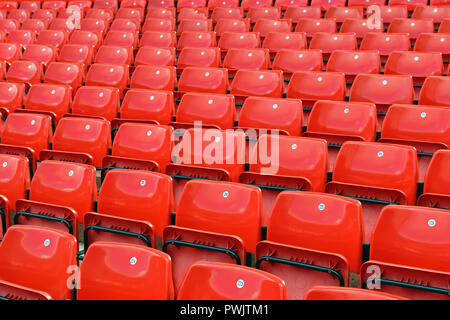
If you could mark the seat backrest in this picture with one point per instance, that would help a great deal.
(49, 97)
(197, 39)
(435, 91)
(154, 77)
(413, 237)
(295, 13)
(434, 42)
(298, 60)
(272, 113)
(342, 293)
(263, 83)
(417, 64)
(38, 258)
(353, 62)
(412, 26)
(276, 41)
(109, 270)
(264, 26)
(318, 221)
(328, 42)
(378, 165)
(296, 157)
(313, 25)
(436, 179)
(67, 184)
(226, 13)
(254, 59)
(244, 40)
(222, 281)
(137, 194)
(256, 13)
(201, 79)
(96, 101)
(342, 13)
(360, 27)
(385, 43)
(144, 141)
(199, 57)
(113, 55)
(11, 95)
(155, 56)
(215, 206)
(159, 39)
(14, 179)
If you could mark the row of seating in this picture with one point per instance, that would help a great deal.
(324, 252)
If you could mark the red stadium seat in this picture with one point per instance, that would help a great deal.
(239, 40)
(61, 24)
(31, 6)
(336, 293)
(200, 79)
(326, 4)
(198, 25)
(45, 15)
(154, 24)
(10, 52)
(296, 13)
(190, 4)
(109, 75)
(65, 73)
(338, 122)
(128, 25)
(435, 91)
(385, 43)
(251, 59)
(158, 39)
(141, 268)
(18, 15)
(197, 39)
(376, 174)
(199, 57)
(290, 61)
(360, 27)
(85, 38)
(311, 26)
(214, 110)
(276, 41)
(247, 4)
(106, 4)
(328, 42)
(39, 53)
(402, 253)
(153, 77)
(226, 13)
(88, 136)
(434, 42)
(148, 105)
(354, 62)
(52, 38)
(143, 141)
(121, 39)
(436, 192)
(412, 26)
(232, 25)
(27, 72)
(160, 4)
(302, 164)
(114, 55)
(49, 97)
(411, 4)
(97, 26)
(14, 182)
(161, 13)
(444, 27)
(286, 4)
(252, 284)
(342, 13)
(206, 214)
(21, 37)
(438, 14)
(9, 25)
(264, 26)
(11, 96)
(68, 184)
(155, 56)
(44, 255)
(256, 13)
(426, 129)
(96, 101)
(55, 5)
(310, 232)
(222, 3)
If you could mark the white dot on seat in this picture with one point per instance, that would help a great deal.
(241, 37)
(300, 55)
(416, 58)
(384, 82)
(210, 101)
(388, 38)
(335, 38)
(261, 76)
(356, 57)
(207, 74)
(158, 72)
(319, 79)
(152, 98)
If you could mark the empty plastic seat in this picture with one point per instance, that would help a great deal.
(338, 122)
(239, 40)
(102, 74)
(197, 39)
(311, 86)
(155, 56)
(199, 25)
(252, 59)
(62, 24)
(199, 57)
(310, 232)
(9, 5)
(89, 137)
(55, 5)
(383, 90)
(121, 39)
(187, 13)
(200, 79)
(256, 13)
(149, 142)
(9, 25)
(352, 62)
(39, 53)
(436, 192)
(148, 105)
(86, 38)
(49, 97)
(311, 26)
(417, 64)
(68, 184)
(36, 26)
(435, 91)
(45, 15)
(412, 26)
(27, 72)
(97, 26)
(389, 13)
(106, 4)
(128, 25)
(342, 13)
(158, 39)
(302, 164)
(411, 5)
(215, 110)
(114, 55)
(162, 13)
(204, 281)
(295, 13)
(360, 27)
(336, 293)
(376, 174)
(434, 42)
(155, 24)
(205, 225)
(385, 43)
(43, 256)
(290, 61)
(226, 13)
(247, 4)
(438, 14)
(21, 37)
(147, 270)
(231, 25)
(276, 41)
(31, 6)
(10, 52)
(30, 130)
(96, 101)
(53, 38)
(444, 27)
(328, 42)
(326, 4)
(11, 96)
(65, 73)
(161, 3)
(154, 77)
(264, 26)
(190, 4)
(425, 128)
(262, 83)
(222, 3)
(272, 113)
(402, 253)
